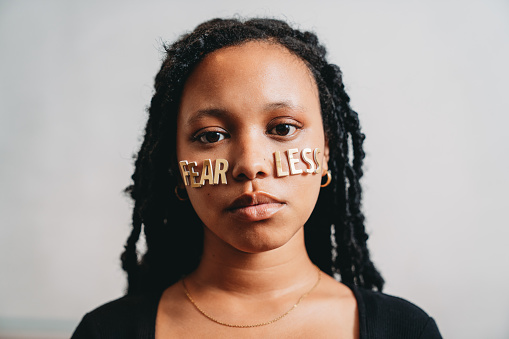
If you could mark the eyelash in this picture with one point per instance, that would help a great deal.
(201, 137)
(295, 128)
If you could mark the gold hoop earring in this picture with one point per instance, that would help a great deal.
(329, 179)
(178, 195)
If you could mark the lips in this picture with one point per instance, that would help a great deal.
(255, 206)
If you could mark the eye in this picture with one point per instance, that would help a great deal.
(210, 137)
(283, 129)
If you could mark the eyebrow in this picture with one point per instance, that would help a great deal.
(283, 104)
(203, 113)
(221, 112)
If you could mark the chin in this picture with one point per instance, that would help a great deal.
(254, 248)
(259, 241)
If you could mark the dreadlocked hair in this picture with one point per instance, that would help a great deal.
(336, 224)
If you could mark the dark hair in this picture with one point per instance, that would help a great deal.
(335, 234)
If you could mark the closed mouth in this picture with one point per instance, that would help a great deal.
(255, 206)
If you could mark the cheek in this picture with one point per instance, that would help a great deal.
(305, 188)
(301, 192)
(208, 201)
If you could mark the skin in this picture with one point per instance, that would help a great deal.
(243, 103)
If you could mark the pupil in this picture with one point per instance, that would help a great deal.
(212, 137)
(282, 129)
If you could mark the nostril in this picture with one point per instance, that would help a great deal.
(245, 174)
(261, 174)
(242, 176)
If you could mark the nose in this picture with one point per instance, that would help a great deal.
(251, 157)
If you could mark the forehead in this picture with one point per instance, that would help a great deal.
(256, 55)
(247, 74)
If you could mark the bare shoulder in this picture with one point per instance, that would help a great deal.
(172, 305)
(337, 308)
(171, 312)
(333, 289)
(339, 296)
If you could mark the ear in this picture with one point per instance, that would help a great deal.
(325, 161)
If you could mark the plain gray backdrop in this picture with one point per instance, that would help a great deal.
(428, 78)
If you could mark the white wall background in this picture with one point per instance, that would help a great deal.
(428, 78)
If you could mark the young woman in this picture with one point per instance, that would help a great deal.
(247, 189)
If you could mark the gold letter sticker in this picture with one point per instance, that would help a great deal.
(207, 173)
(193, 174)
(292, 161)
(279, 167)
(309, 162)
(318, 163)
(220, 172)
(184, 172)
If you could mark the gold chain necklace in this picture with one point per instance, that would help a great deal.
(253, 325)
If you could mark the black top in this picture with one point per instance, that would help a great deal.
(380, 316)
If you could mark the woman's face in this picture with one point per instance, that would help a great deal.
(242, 104)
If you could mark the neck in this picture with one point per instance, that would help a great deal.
(277, 271)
